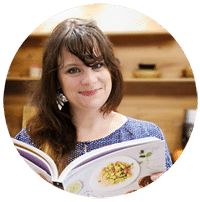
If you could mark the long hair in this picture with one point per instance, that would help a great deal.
(52, 130)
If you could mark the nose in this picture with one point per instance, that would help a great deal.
(89, 77)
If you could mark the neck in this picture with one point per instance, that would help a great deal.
(89, 124)
(87, 119)
(92, 124)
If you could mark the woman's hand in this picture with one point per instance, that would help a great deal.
(144, 181)
(155, 176)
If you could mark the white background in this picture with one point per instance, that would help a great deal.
(17, 20)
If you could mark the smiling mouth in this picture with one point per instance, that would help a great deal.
(89, 92)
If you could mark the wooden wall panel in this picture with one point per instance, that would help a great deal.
(167, 112)
(162, 51)
(29, 54)
(163, 103)
(17, 94)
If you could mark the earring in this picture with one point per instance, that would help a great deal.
(61, 100)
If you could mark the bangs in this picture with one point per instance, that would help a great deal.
(84, 45)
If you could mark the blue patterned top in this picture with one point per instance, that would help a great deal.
(131, 129)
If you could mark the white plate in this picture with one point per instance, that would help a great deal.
(100, 187)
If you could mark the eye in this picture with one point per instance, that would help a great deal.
(73, 70)
(97, 66)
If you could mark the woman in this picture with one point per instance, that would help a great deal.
(77, 97)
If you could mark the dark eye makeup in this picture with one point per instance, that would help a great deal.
(73, 70)
(97, 65)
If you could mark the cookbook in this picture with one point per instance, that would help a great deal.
(108, 171)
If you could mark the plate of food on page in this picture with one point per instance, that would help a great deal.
(114, 173)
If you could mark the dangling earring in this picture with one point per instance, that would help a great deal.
(61, 100)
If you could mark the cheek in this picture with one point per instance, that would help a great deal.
(65, 84)
(68, 87)
(109, 87)
(108, 81)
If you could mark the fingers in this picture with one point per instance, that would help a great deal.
(155, 176)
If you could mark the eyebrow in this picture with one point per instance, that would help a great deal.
(69, 65)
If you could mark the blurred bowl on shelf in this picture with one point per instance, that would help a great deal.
(188, 72)
(146, 73)
(171, 70)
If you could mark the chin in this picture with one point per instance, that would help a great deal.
(93, 106)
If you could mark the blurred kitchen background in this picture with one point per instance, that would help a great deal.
(159, 82)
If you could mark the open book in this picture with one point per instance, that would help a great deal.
(108, 171)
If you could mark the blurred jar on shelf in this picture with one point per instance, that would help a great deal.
(188, 72)
(171, 70)
(35, 71)
(188, 125)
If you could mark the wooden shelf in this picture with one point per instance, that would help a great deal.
(127, 80)
(159, 32)
(159, 80)
(23, 78)
(117, 33)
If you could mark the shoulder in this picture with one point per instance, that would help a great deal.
(143, 128)
(24, 137)
(140, 128)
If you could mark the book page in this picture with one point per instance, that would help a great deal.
(41, 160)
(41, 172)
(97, 153)
(32, 158)
(95, 179)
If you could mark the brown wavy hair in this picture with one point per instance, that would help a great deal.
(52, 130)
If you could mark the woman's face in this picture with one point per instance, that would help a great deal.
(85, 87)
